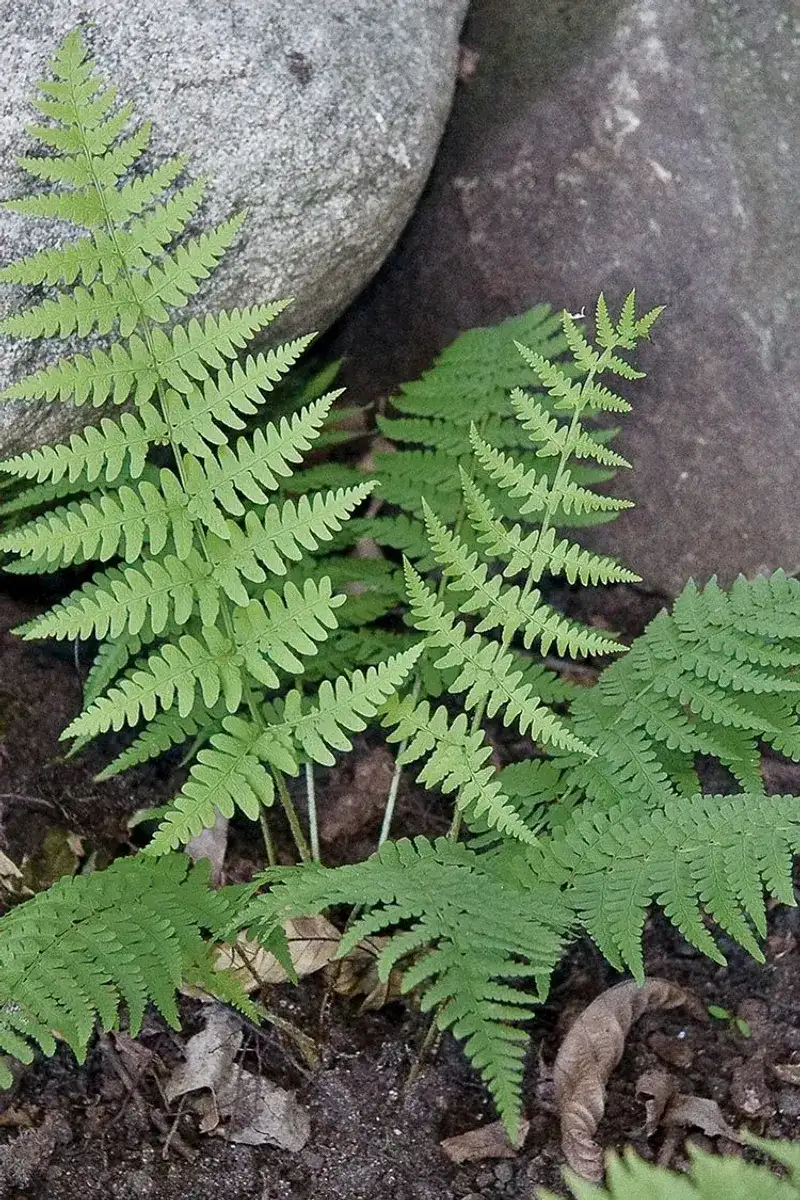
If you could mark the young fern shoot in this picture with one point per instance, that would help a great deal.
(200, 630)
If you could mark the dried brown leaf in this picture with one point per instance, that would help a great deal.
(313, 941)
(660, 1086)
(488, 1141)
(787, 1073)
(588, 1055)
(211, 844)
(697, 1112)
(357, 975)
(677, 1110)
(256, 1110)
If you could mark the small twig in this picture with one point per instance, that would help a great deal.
(33, 801)
(429, 1047)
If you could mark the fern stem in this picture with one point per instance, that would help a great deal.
(269, 844)
(287, 804)
(313, 824)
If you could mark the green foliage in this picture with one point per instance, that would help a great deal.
(613, 819)
(214, 606)
(77, 952)
(236, 608)
(714, 677)
(451, 913)
(476, 380)
(709, 1177)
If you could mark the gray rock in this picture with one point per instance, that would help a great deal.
(646, 142)
(322, 117)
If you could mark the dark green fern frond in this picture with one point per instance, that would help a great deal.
(473, 381)
(696, 856)
(714, 677)
(465, 941)
(76, 953)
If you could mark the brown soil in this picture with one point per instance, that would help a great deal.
(73, 1132)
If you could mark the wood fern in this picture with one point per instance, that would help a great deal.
(76, 953)
(204, 611)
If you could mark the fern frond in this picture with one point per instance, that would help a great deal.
(466, 941)
(100, 256)
(696, 855)
(232, 770)
(256, 467)
(535, 553)
(166, 730)
(457, 762)
(701, 681)
(710, 1176)
(77, 952)
(100, 452)
(541, 497)
(131, 371)
(508, 609)
(486, 671)
(273, 631)
(197, 419)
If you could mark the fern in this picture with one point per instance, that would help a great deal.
(478, 380)
(613, 821)
(76, 953)
(709, 1177)
(215, 604)
(467, 942)
(713, 678)
(486, 671)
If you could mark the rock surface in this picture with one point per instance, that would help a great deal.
(647, 142)
(321, 116)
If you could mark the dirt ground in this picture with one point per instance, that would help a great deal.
(103, 1129)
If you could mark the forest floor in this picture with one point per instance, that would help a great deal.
(104, 1129)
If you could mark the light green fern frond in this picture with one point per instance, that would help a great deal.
(710, 1176)
(76, 953)
(217, 600)
(231, 773)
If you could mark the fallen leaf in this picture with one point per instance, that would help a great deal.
(357, 975)
(257, 1111)
(588, 1055)
(211, 844)
(698, 1112)
(313, 941)
(787, 1072)
(660, 1086)
(674, 1109)
(488, 1141)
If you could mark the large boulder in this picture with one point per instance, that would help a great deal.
(646, 142)
(322, 117)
